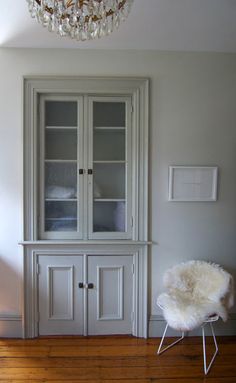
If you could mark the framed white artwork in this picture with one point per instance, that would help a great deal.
(193, 183)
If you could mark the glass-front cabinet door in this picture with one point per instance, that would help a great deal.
(109, 168)
(61, 155)
(85, 167)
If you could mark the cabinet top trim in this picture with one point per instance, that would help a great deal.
(67, 242)
(90, 85)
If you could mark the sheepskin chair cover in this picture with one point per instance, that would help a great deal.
(195, 291)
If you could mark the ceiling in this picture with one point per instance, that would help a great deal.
(170, 25)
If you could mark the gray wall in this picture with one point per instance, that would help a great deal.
(192, 122)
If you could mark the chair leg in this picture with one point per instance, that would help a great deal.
(159, 351)
(207, 368)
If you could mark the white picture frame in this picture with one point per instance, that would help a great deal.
(193, 183)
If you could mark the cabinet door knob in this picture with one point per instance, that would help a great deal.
(90, 285)
(81, 285)
(90, 171)
(81, 171)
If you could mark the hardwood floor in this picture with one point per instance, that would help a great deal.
(112, 360)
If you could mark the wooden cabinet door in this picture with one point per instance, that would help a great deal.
(104, 301)
(60, 298)
(110, 296)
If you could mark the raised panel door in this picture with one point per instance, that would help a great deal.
(110, 298)
(61, 304)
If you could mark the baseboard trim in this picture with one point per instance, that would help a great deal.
(10, 326)
(157, 325)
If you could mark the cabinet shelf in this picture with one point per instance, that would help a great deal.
(61, 127)
(97, 128)
(61, 219)
(109, 162)
(64, 161)
(60, 199)
(109, 200)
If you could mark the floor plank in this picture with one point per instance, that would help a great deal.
(113, 360)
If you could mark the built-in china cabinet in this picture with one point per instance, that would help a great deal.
(85, 206)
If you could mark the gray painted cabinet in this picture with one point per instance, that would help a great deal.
(85, 206)
(99, 301)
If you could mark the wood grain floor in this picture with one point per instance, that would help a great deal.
(112, 360)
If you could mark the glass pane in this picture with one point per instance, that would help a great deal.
(109, 114)
(61, 166)
(109, 145)
(109, 216)
(61, 144)
(109, 180)
(61, 113)
(60, 215)
(60, 180)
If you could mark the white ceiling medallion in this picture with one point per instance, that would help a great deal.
(80, 19)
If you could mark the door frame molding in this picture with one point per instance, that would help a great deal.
(31, 272)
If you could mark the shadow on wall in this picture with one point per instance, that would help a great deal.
(232, 271)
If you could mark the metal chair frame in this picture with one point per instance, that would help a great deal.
(209, 320)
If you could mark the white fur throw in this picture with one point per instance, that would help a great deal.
(195, 291)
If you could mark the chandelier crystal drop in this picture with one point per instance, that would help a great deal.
(80, 19)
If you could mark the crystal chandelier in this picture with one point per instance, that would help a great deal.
(80, 19)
